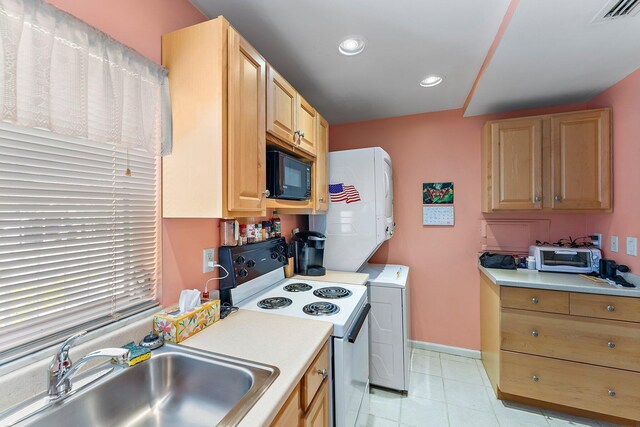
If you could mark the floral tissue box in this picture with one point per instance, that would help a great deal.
(176, 327)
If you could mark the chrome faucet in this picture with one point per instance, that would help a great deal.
(62, 369)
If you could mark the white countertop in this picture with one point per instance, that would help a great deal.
(569, 282)
(282, 341)
(338, 277)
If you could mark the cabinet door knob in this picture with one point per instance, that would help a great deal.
(322, 372)
(537, 198)
(321, 199)
(534, 333)
(534, 300)
(266, 193)
(611, 308)
(535, 378)
(557, 198)
(611, 344)
(611, 393)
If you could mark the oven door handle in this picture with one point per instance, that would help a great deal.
(353, 336)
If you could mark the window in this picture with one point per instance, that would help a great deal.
(79, 239)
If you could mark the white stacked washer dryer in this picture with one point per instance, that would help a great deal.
(355, 228)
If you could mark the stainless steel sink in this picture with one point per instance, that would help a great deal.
(178, 386)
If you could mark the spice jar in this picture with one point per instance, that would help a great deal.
(251, 233)
(276, 225)
(266, 230)
(243, 234)
(258, 232)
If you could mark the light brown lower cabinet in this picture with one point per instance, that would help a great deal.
(318, 413)
(308, 403)
(290, 414)
(578, 385)
(568, 351)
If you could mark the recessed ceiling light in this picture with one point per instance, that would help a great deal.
(431, 81)
(351, 46)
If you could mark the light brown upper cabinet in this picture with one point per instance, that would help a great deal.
(246, 147)
(282, 100)
(321, 167)
(218, 83)
(581, 160)
(307, 126)
(290, 118)
(516, 164)
(559, 162)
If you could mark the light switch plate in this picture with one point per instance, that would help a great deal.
(614, 244)
(208, 258)
(632, 246)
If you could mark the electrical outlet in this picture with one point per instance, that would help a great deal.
(208, 259)
(632, 246)
(596, 239)
(614, 244)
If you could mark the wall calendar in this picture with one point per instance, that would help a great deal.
(437, 215)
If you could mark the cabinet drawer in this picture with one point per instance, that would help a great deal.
(593, 388)
(599, 342)
(606, 306)
(535, 299)
(314, 376)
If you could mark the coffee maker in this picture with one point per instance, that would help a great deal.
(309, 253)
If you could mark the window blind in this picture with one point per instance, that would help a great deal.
(79, 240)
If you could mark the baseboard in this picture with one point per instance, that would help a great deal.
(441, 348)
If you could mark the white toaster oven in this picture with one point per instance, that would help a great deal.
(566, 260)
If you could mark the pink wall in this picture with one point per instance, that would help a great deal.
(427, 147)
(624, 98)
(183, 242)
(442, 146)
(140, 24)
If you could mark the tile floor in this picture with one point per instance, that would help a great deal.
(454, 391)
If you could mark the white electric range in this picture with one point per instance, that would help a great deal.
(345, 305)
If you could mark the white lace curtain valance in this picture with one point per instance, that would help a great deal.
(60, 74)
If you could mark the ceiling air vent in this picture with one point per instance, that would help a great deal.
(617, 9)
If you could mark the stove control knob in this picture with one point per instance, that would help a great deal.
(281, 248)
(240, 260)
(282, 258)
(274, 255)
(251, 263)
(243, 273)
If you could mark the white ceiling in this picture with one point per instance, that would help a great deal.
(406, 40)
(551, 53)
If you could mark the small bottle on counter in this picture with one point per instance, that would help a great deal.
(243, 234)
(531, 262)
(276, 226)
(266, 230)
(205, 293)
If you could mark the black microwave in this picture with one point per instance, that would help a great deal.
(287, 177)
